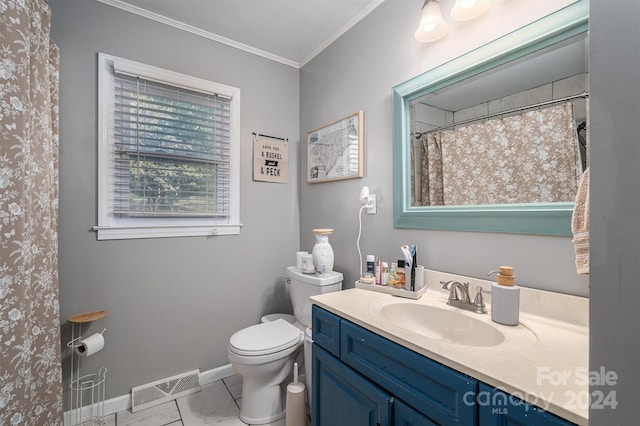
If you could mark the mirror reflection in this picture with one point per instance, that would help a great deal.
(515, 134)
(494, 81)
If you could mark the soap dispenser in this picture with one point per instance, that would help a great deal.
(505, 297)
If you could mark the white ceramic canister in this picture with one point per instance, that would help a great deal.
(322, 252)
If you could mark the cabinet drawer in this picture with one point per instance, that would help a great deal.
(325, 328)
(444, 395)
(501, 409)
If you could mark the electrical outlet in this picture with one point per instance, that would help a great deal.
(371, 204)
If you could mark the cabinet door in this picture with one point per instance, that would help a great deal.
(498, 408)
(342, 397)
(403, 415)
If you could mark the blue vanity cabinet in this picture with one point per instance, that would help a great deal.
(362, 378)
(498, 408)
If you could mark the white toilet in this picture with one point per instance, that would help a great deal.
(263, 354)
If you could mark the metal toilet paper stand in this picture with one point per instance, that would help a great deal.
(89, 388)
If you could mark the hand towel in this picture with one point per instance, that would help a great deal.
(580, 225)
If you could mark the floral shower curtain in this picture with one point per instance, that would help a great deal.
(432, 187)
(30, 377)
(531, 157)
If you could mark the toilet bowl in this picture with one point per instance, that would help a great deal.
(263, 354)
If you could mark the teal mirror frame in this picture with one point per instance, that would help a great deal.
(544, 218)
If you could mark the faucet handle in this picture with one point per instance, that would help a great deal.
(478, 302)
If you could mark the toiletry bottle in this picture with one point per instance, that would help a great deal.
(505, 297)
(393, 277)
(371, 260)
(384, 280)
(378, 271)
(400, 273)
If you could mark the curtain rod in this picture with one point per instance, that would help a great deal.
(272, 137)
(418, 135)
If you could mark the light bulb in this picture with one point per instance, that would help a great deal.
(429, 26)
(465, 10)
(466, 4)
(432, 26)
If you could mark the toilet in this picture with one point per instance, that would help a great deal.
(263, 354)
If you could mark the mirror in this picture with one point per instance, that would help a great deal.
(544, 64)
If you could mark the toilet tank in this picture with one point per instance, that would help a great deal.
(302, 286)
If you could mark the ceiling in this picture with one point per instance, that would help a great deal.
(288, 31)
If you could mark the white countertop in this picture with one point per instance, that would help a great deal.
(543, 360)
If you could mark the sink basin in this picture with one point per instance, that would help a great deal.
(441, 324)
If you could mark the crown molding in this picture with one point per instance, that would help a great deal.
(346, 27)
(198, 31)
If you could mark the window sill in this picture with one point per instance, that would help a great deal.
(134, 232)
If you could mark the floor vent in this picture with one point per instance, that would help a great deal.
(151, 394)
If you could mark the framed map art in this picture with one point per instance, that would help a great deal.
(334, 151)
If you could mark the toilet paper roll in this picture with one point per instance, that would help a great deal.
(299, 255)
(307, 264)
(90, 345)
(296, 408)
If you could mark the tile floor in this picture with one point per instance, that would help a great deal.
(218, 403)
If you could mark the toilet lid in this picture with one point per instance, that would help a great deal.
(265, 338)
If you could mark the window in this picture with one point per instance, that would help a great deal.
(168, 160)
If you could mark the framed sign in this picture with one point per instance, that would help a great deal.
(270, 159)
(334, 151)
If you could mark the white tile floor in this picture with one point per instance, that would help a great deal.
(217, 403)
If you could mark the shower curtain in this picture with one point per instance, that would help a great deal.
(432, 187)
(531, 157)
(30, 377)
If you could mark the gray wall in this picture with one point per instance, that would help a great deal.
(173, 303)
(357, 72)
(615, 205)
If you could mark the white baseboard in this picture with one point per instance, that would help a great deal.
(216, 374)
(112, 405)
(123, 402)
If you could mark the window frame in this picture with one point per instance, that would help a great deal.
(111, 226)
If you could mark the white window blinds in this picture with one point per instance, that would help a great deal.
(171, 150)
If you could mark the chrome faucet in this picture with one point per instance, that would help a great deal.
(459, 297)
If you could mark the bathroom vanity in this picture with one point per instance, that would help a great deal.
(385, 360)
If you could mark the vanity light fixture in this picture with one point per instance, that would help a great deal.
(465, 10)
(432, 27)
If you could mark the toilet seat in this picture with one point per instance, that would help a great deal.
(265, 338)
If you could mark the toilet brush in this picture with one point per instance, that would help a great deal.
(296, 404)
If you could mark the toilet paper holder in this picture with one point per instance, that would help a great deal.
(89, 387)
(74, 342)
